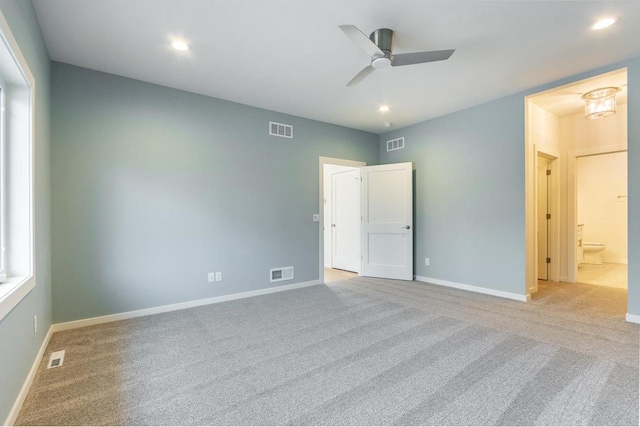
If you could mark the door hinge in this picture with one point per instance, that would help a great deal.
(548, 216)
(548, 171)
(548, 260)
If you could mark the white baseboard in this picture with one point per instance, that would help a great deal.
(15, 410)
(478, 289)
(17, 406)
(616, 260)
(173, 307)
(633, 318)
(564, 278)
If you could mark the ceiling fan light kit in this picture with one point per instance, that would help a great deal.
(379, 47)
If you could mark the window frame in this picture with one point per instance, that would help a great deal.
(3, 173)
(18, 180)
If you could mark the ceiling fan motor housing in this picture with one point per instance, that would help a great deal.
(383, 38)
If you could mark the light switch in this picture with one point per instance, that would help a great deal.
(316, 217)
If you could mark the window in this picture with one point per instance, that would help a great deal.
(3, 170)
(17, 96)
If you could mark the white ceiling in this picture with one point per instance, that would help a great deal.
(290, 56)
(567, 100)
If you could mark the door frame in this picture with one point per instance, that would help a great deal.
(572, 190)
(553, 195)
(532, 151)
(328, 161)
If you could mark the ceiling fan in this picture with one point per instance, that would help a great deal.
(379, 46)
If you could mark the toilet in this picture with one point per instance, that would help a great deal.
(593, 252)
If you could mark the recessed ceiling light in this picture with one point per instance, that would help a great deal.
(604, 23)
(388, 124)
(384, 108)
(179, 45)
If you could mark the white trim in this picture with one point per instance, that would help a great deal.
(616, 260)
(12, 291)
(553, 156)
(3, 180)
(180, 306)
(20, 262)
(477, 289)
(554, 210)
(17, 406)
(632, 318)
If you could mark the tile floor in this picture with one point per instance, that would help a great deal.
(607, 274)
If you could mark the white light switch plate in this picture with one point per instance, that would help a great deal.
(316, 217)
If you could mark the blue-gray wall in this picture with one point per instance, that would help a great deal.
(470, 194)
(154, 187)
(469, 186)
(17, 340)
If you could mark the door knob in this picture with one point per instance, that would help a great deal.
(333, 225)
(407, 227)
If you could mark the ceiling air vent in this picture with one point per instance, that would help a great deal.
(281, 273)
(279, 129)
(395, 144)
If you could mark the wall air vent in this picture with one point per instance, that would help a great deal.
(279, 129)
(395, 144)
(281, 273)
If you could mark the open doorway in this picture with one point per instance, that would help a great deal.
(562, 142)
(339, 219)
(372, 219)
(601, 210)
(341, 222)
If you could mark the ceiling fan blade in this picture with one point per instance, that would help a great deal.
(361, 76)
(360, 39)
(421, 57)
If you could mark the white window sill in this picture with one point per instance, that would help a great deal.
(12, 291)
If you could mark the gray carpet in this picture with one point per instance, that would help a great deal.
(358, 352)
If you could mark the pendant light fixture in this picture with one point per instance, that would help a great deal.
(600, 102)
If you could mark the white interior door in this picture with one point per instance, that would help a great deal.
(387, 221)
(345, 220)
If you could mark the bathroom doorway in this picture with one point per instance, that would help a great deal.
(601, 212)
(561, 135)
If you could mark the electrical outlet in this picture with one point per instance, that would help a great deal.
(211, 277)
(426, 261)
(35, 324)
(218, 276)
